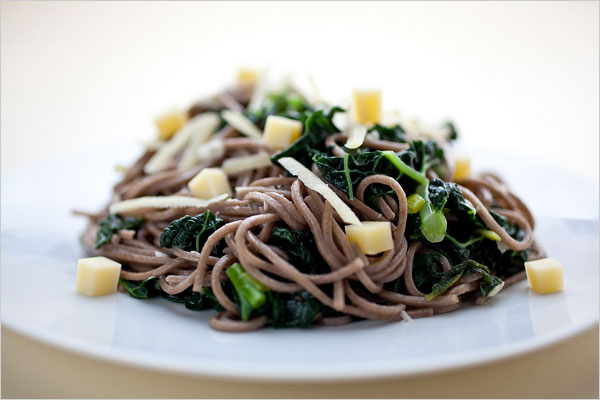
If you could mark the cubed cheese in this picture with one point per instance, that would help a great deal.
(280, 132)
(462, 166)
(544, 275)
(169, 123)
(371, 236)
(367, 106)
(97, 276)
(209, 183)
(247, 76)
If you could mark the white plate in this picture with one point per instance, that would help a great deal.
(40, 248)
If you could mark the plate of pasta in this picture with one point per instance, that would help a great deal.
(264, 233)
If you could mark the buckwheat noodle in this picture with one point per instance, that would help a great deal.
(350, 282)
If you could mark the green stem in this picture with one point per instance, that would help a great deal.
(250, 291)
(347, 175)
(405, 169)
(465, 244)
(433, 222)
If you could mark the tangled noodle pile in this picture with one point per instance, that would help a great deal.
(287, 244)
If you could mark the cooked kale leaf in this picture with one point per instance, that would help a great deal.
(345, 173)
(428, 272)
(195, 301)
(142, 289)
(438, 193)
(426, 269)
(190, 233)
(285, 104)
(423, 156)
(446, 279)
(317, 127)
(113, 223)
(296, 310)
(300, 246)
(283, 310)
(453, 133)
(394, 133)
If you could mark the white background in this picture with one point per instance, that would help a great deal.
(516, 76)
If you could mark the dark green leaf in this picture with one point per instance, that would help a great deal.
(345, 173)
(190, 233)
(285, 104)
(424, 155)
(141, 290)
(113, 223)
(488, 281)
(297, 310)
(447, 279)
(393, 134)
(175, 298)
(457, 204)
(426, 270)
(208, 300)
(438, 193)
(453, 133)
(317, 127)
(195, 301)
(300, 247)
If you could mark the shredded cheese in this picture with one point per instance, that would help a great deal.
(129, 205)
(236, 165)
(211, 150)
(241, 123)
(405, 316)
(313, 182)
(260, 91)
(153, 145)
(204, 128)
(356, 136)
(165, 154)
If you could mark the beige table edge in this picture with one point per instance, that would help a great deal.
(31, 369)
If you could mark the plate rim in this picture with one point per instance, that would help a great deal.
(245, 371)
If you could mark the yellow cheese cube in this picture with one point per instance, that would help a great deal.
(247, 76)
(97, 276)
(462, 167)
(280, 132)
(371, 236)
(367, 106)
(544, 275)
(209, 183)
(169, 123)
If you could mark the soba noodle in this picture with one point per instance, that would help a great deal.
(351, 283)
